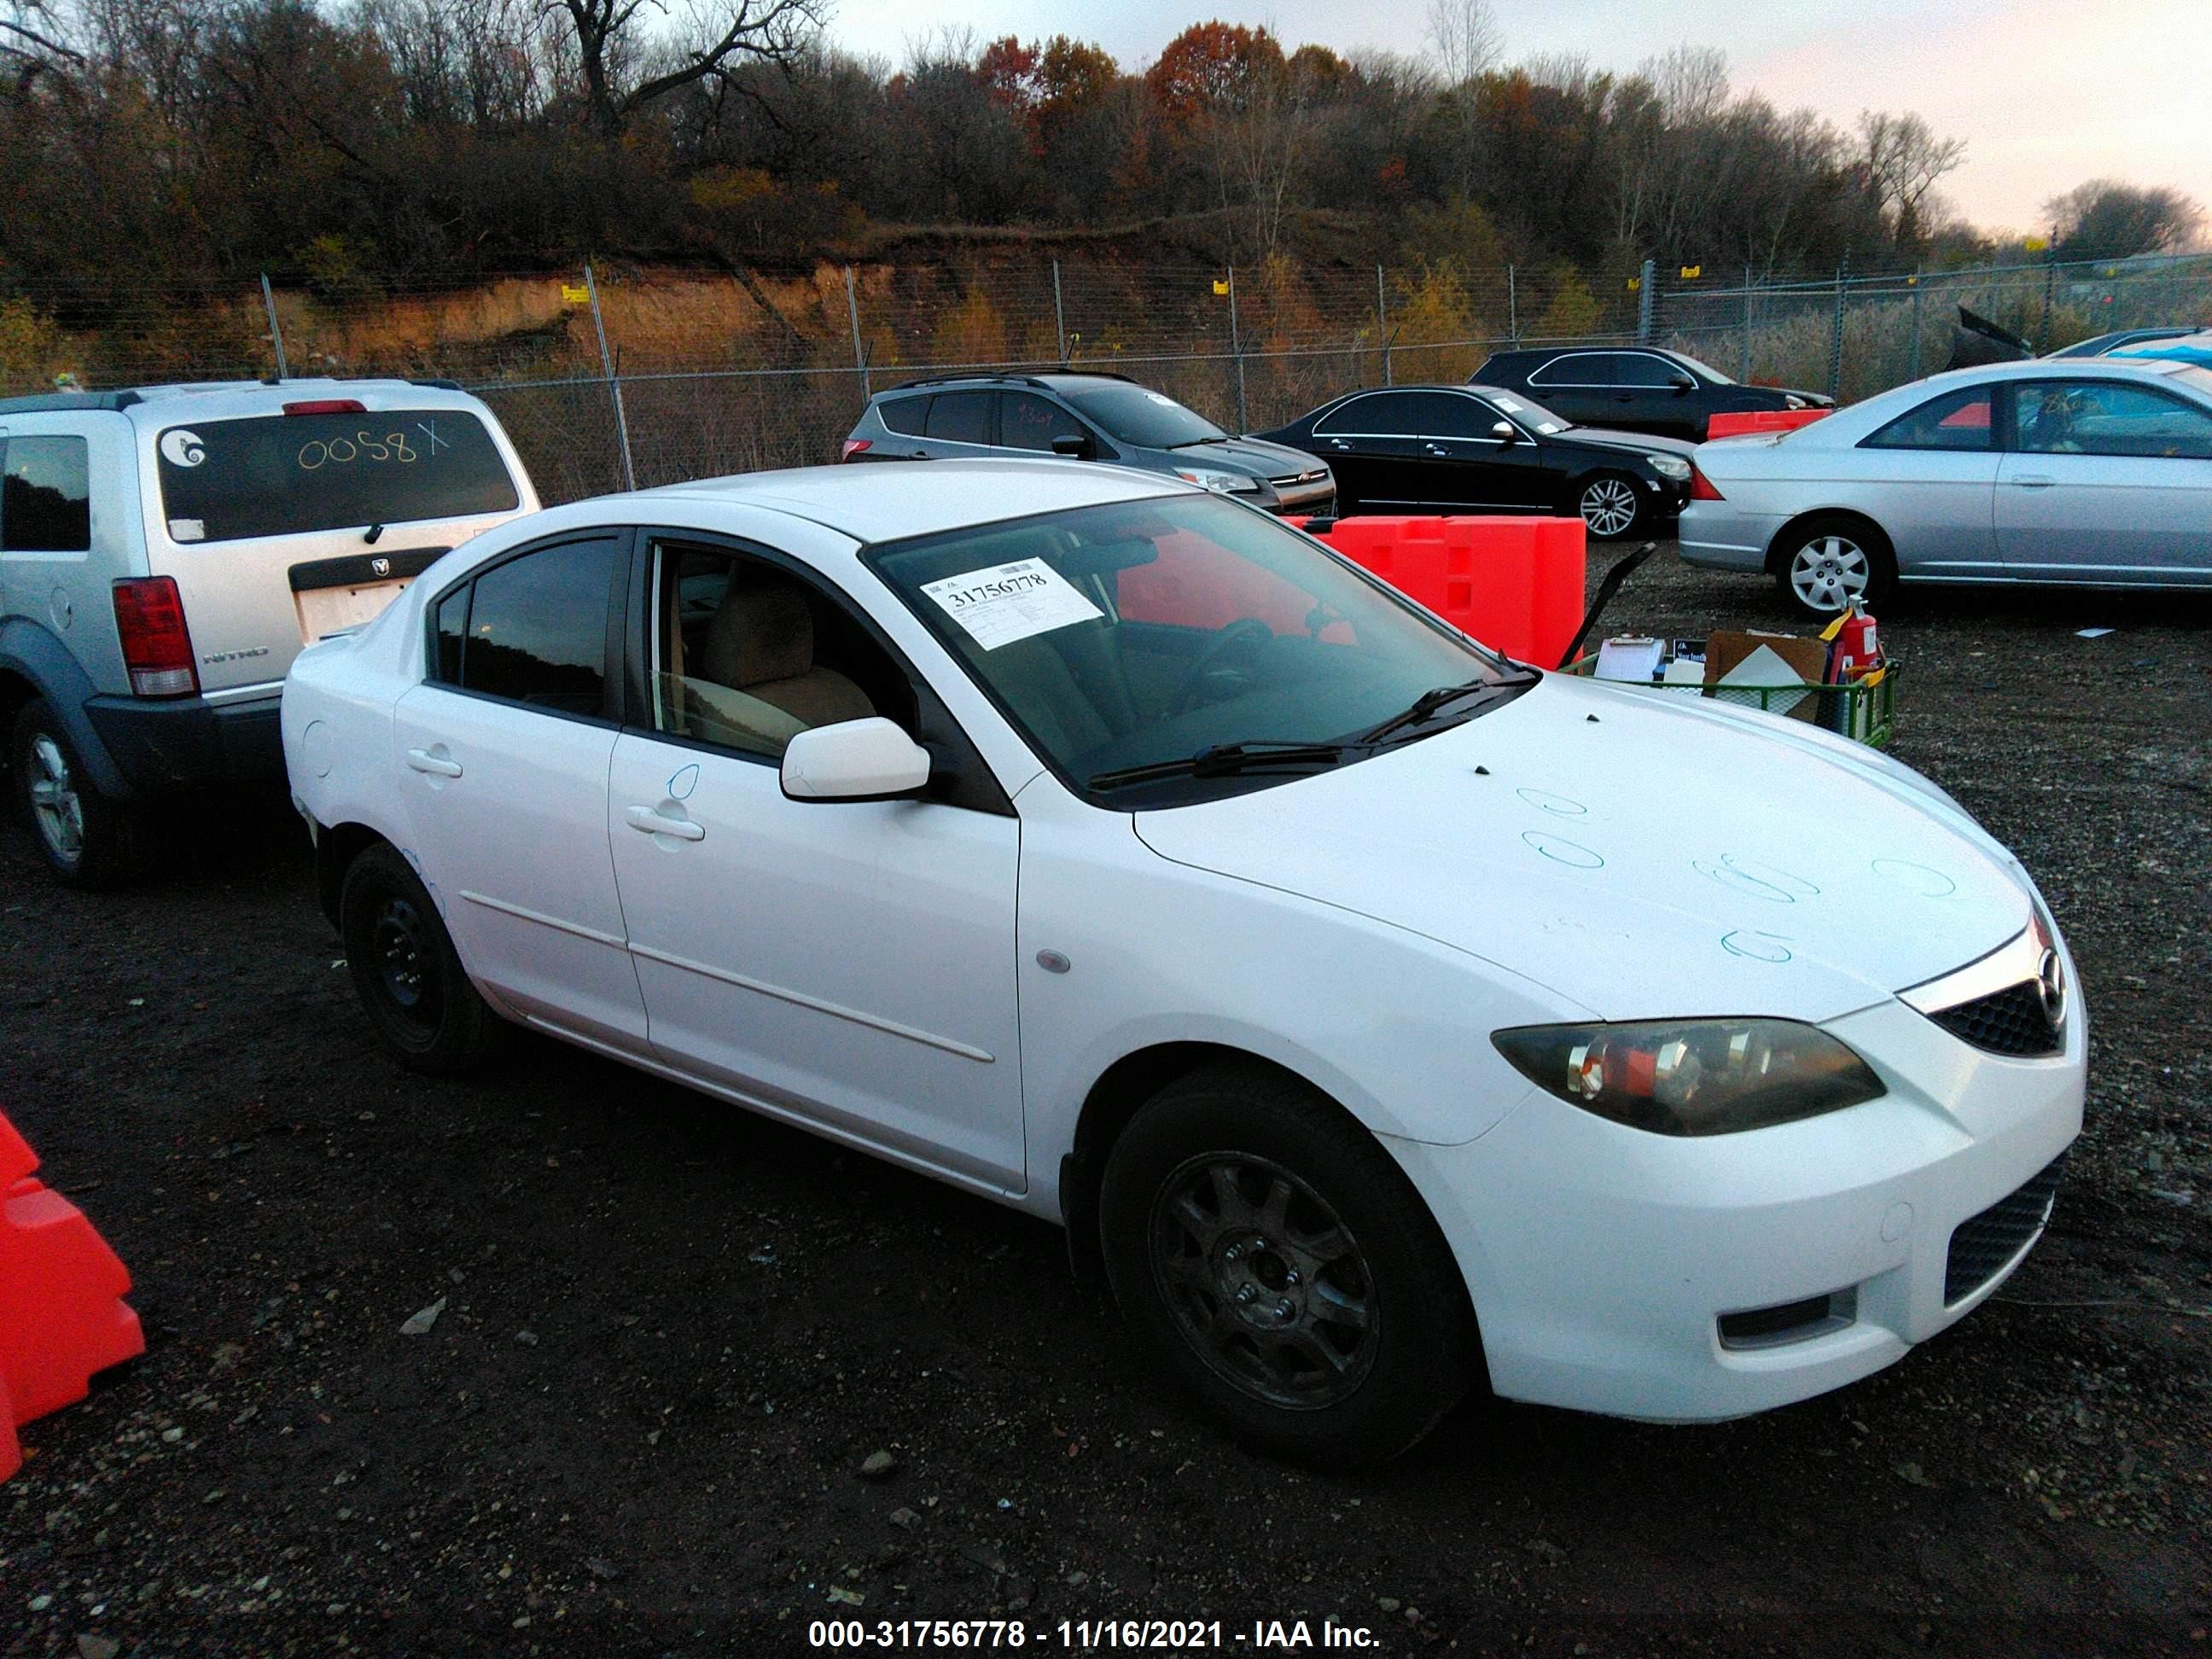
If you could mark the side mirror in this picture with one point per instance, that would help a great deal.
(854, 760)
(1683, 380)
(1075, 446)
(1505, 432)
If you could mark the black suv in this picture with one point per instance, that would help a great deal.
(1634, 388)
(1091, 417)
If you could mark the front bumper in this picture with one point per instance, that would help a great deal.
(1602, 1259)
(161, 745)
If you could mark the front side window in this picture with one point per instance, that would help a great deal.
(1957, 419)
(1640, 368)
(2108, 417)
(1575, 369)
(961, 417)
(1451, 415)
(534, 630)
(1029, 421)
(46, 495)
(286, 475)
(1139, 633)
(746, 655)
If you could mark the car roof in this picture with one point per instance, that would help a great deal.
(221, 399)
(891, 500)
(1051, 381)
(2032, 368)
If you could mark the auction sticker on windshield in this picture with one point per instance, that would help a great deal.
(1010, 602)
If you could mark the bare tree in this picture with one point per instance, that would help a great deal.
(1903, 159)
(624, 69)
(33, 42)
(1467, 43)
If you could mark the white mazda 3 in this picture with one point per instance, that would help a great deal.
(1382, 1015)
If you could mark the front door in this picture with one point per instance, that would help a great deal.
(2107, 481)
(1469, 468)
(850, 963)
(503, 753)
(1934, 469)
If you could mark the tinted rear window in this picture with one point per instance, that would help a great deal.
(280, 474)
(904, 414)
(961, 417)
(46, 504)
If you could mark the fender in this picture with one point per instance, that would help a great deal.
(32, 652)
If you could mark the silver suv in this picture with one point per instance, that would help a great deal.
(1088, 417)
(164, 554)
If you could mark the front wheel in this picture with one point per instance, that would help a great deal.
(404, 969)
(1270, 1253)
(1610, 507)
(85, 840)
(1825, 567)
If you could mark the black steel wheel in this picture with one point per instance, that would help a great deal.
(1277, 1261)
(409, 981)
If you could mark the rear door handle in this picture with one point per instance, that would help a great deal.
(2033, 481)
(434, 761)
(1436, 449)
(651, 820)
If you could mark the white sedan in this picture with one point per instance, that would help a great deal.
(2093, 472)
(1382, 1014)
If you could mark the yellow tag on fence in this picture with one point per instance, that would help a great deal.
(1220, 286)
(575, 297)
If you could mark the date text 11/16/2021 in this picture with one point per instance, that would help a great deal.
(1089, 1635)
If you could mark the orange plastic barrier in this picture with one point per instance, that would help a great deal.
(62, 1315)
(1762, 420)
(1513, 583)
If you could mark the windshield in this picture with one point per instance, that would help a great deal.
(1149, 420)
(1534, 416)
(280, 474)
(1706, 368)
(1141, 633)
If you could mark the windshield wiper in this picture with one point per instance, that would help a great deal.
(1430, 701)
(1221, 760)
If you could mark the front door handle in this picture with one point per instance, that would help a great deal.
(1339, 443)
(653, 823)
(1436, 449)
(2033, 481)
(434, 761)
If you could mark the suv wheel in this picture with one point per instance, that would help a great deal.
(404, 969)
(1273, 1256)
(87, 840)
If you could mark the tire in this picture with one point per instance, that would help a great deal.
(410, 979)
(1825, 565)
(87, 840)
(1339, 1340)
(1604, 500)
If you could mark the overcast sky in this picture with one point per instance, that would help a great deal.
(2046, 93)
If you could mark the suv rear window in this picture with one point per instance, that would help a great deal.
(280, 474)
(904, 414)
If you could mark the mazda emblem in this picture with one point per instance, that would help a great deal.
(2050, 983)
(381, 567)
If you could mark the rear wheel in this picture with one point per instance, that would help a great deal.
(87, 840)
(1610, 506)
(411, 981)
(1826, 566)
(1274, 1257)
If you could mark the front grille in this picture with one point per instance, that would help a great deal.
(1291, 478)
(1982, 1244)
(2008, 1021)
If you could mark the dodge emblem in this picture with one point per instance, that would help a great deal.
(381, 567)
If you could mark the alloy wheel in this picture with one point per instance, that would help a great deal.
(1829, 573)
(1264, 1280)
(56, 807)
(1609, 507)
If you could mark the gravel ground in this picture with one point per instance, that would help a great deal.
(672, 1333)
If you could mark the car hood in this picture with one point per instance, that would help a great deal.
(1640, 855)
(1256, 458)
(1644, 442)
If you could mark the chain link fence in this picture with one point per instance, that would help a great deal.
(611, 374)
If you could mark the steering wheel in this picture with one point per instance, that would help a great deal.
(1247, 634)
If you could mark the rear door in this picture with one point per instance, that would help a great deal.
(1372, 443)
(2107, 482)
(281, 528)
(961, 423)
(1577, 384)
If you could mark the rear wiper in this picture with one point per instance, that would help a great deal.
(1220, 760)
(1430, 701)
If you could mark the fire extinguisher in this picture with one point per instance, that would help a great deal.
(1855, 648)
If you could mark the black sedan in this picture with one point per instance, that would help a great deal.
(1477, 449)
(1635, 388)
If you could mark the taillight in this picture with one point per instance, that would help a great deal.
(326, 406)
(854, 446)
(149, 618)
(1701, 487)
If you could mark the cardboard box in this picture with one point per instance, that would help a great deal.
(1739, 663)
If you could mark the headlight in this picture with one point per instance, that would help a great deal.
(1226, 482)
(1669, 466)
(1692, 1077)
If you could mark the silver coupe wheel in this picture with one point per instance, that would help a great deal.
(1609, 507)
(1829, 573)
